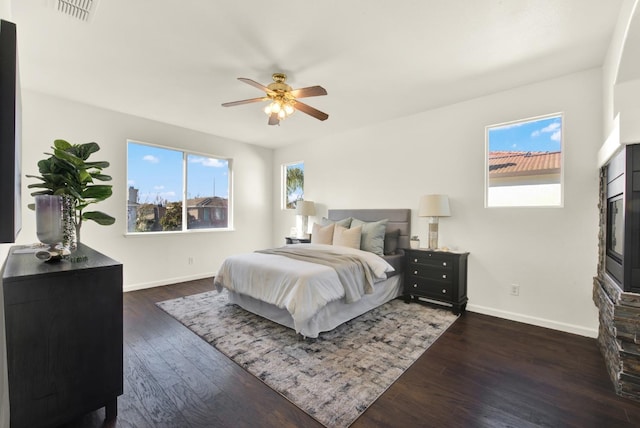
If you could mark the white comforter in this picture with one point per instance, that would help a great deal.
(299, 286)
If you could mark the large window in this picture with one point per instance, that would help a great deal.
(524, 163)
(172, 190)
(292, 184)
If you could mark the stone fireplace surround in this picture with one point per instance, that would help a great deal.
(619, 335)
(619, 318)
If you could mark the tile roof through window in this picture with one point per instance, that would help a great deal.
(504, 164)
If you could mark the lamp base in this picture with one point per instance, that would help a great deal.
(433, 233)
(304, 227)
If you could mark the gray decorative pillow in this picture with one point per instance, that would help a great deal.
(345, 222)
(372, 238)
(391, 242)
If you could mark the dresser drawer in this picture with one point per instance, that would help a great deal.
(426, 272)
(442, 261)
(428, 288)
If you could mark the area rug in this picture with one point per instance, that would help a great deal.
(333, 378)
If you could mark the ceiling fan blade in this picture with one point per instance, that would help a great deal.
(311, 91)
(255, 84)
(273, 119)
(311, 111)
(237, 103)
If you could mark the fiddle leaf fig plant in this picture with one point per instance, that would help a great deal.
(67, 172)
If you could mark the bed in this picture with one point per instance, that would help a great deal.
(255, 281)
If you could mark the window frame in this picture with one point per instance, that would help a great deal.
(185, 226)
(284, 196)
(518, 122)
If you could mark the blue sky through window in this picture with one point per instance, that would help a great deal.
(541, 135)
(157, 173)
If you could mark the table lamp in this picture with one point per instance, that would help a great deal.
(305, 209)
(434, 207)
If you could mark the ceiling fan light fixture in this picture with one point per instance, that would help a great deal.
(288, 108)
(283, 108)
(282, 99)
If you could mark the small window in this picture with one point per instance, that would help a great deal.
(167, 186)
(524, 163)
(292, 184)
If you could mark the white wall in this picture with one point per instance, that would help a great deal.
(550, 252)
(152, 259)
(612, 63)
(621, 105)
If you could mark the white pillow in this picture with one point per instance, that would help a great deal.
(347, 237)
(322, 234)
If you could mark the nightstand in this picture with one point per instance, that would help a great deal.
(293, 240)
(436, 276)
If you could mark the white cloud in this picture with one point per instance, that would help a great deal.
(553, 128)
(210, 162)
(158, 187)
(556, 136)
(151, 159)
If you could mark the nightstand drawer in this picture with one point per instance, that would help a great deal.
(443, 261)
(429, 288)
(426, 272)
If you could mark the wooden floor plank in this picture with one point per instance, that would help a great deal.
(482, 372)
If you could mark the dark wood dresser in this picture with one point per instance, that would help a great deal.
(437, 276)
(63, 325)
(294, 240)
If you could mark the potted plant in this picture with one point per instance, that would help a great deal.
(66, 172)
(414, 242)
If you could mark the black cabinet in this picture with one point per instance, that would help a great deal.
(63, 325)
(436, 276)
(293, 240)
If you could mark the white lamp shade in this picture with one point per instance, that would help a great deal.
(305, 208)
(434, 206)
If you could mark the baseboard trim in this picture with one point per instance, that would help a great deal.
(168, 281)
(540, 322)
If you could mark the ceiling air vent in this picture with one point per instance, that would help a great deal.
(82, 10)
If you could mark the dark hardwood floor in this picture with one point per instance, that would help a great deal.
(482, 372)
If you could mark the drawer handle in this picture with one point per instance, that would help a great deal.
(444, 263)
(444, 276)
(415, 285)
(415, 260)
(444, 291)
(415, 272)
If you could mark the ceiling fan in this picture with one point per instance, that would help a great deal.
(284, 100)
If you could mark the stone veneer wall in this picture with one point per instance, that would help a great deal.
(619, 331)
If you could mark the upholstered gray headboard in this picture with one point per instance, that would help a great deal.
(399, 218)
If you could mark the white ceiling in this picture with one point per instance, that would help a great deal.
(177, 61)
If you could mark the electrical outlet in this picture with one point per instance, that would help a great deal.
(190, 260)
(515, 290)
